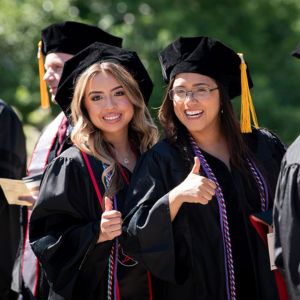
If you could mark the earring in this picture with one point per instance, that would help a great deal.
(222, 111)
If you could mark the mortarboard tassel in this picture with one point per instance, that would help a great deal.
(45, 103)
(247, 106)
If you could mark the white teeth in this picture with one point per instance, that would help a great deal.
(194, 112)
(112, 117)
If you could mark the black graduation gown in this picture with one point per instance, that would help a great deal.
(186, 257)
(12, 165)
(64, 229)
(18, 285)
(287, 220)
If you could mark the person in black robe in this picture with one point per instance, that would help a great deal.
(59, 42)
(73, 232)
(287, 216)
(12, 165)
(192, 194)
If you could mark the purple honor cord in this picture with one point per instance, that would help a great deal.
(264, 196)
(228, 261)
(262, 185)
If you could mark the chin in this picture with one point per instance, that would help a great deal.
(53, 99)
(195, 128)
(192, 126)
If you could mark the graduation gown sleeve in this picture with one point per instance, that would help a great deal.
(64, 226)
(147, 230)
(287, 220)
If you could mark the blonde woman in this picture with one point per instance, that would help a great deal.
(76, 222)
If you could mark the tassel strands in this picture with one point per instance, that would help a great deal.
(45, 103)
(247, 107)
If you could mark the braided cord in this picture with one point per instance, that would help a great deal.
(116, 258)
(263, 192)
(113, 257)
(110, 274)
(261, 184)
(228, 260)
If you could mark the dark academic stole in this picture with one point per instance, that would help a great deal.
(262, 222)
(117, 254)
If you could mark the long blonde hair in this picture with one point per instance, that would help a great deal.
(142, 132)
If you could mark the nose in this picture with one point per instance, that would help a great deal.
(109, 102)
(49, 75)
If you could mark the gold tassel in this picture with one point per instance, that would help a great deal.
(45, 103)
(247, 106)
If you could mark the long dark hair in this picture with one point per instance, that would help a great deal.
(238, 149)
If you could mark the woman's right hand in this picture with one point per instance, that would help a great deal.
(194, 189)
(111, 223)
(30, 199)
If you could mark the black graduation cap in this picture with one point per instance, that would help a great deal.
(99, 52)
(212, 58)
(296, 52)
(71, 37)
(206, 56)
(68, 37)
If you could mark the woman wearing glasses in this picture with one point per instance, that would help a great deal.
(193, 193)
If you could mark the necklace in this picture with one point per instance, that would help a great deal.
(126, 161)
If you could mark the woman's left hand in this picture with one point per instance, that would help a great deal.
(111, 223)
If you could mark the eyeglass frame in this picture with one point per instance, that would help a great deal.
(190, 92)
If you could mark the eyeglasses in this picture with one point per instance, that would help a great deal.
(198, 93)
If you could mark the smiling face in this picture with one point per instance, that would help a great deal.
(54, 63)
(107, 105)
(197, 115)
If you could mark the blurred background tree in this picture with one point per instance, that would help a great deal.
(265, 31)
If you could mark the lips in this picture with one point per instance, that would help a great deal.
(53, 90)
(113, 117)
(193, 114)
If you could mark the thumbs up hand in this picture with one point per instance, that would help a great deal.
(108, 205)
(196, 166)
(111, 222)
(195, 188)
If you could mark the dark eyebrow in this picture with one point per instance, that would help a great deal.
(117, 87)
(199, 84)
(94, 92)
(100, 92)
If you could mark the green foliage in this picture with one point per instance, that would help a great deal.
(265, 31)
